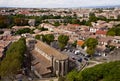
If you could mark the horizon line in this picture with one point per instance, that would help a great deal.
(101, 6)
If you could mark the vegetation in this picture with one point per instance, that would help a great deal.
(56, 24)
(91, 44)
(13, 60)
(37, 37)
(92, 17)
(43, 29)
(61, 78)
(48, 38)
(111, 47)
(74, 44)
(4, 23)
(24, 30)
(114, 31)
(20, 21)
(102, 72)
(62, 41)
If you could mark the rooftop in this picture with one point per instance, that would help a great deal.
(40, 63)
(80, 42)
(101, 32)
(51, 51)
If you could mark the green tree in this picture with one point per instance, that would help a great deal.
(37, 37)
(43, 29)
(20, 21)
(74, 44)
(61, 79)
(115, 31)
(91, 44)
(62, 41)
(92, 17)
(24, 30)
(3, 21)
(83, 22)
(90, 51)
(13, 61)
(56, 24)
(111, 32)
(49, 38)
(72, 76)
(75, 21)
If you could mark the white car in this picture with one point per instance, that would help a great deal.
(77, 52)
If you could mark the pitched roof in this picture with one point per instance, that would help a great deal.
(40, 63)
(101, 32)
(51, 51)
(80, 42)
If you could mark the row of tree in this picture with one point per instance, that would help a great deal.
(102, 72)
(4, 21)
(8, 21)
(21, 20)
(24, 30)
(12, 62)
(48, 38)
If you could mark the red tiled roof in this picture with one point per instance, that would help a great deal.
(80, 42)
(101, 32)
(24, 12)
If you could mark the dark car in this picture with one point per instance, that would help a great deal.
(87, 56)
(80, 60)
(86, 59)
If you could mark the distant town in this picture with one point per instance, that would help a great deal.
(46, 44)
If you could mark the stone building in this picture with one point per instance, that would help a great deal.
(58, 61)
(52, 61)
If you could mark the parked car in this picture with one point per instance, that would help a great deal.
(86, 59)
(80, 60)
(77, 52)
(88, 56)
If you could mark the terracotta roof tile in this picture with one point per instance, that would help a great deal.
(80, 42)
(101, 32)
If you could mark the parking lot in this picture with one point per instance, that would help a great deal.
(77, 56)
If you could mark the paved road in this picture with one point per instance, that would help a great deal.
(95, 63)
